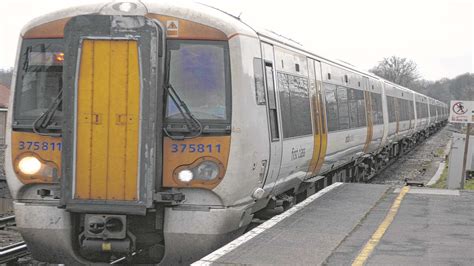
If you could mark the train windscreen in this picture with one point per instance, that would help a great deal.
(39, 79)
(198, 71)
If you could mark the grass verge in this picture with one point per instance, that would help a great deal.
(468, 185)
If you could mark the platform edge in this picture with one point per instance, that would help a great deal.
(214, 256)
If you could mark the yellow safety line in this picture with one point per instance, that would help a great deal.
(375, 239)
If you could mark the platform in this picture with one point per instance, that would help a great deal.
(334, 226)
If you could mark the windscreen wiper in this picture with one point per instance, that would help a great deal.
(27, 59)
(191, 121)
(47, 116)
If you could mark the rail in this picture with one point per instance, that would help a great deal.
(125, 259)
(7, 221)
(13, 252)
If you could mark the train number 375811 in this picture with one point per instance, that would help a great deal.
(37, 146)
(191, 148)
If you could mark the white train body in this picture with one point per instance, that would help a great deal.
(295, 122)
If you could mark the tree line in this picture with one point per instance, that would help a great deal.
(404, 72)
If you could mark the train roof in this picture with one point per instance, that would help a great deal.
(185, 10)
(199, 13)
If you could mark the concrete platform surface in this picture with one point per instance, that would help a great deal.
(431, 227)
(311, 234)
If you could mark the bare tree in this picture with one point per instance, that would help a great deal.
(397, 70)
(6, 77)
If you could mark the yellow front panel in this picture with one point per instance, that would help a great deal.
(133, 114)
(107, 125)
(84, 126)
(100, 119)
(118, 108)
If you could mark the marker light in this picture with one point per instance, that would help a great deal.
(29, 165)
(185, 175)
(59, 57)
(127, 7)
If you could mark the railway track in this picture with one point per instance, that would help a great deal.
(7, 221)
(14, 251)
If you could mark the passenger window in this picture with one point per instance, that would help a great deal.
(377, 110)
(357, 113)
(300, 107)
(331, 107)
(410, 110)
(343, 108)
(402, 109)
(284, 93)
(258, 76)
(422, 110)
(362, 114)
(405, 110)
(418, 110)
(294, 103)
(353, 109)
(391, 109)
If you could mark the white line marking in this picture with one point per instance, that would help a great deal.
(437, 175)
(442, 165)
(209, 259)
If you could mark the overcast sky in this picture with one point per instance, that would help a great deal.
(436, 34)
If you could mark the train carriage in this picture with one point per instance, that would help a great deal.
(157, 131)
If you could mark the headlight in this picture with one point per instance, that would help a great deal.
(29, 165)
(207, 170)
(185, 175)
(204, 170)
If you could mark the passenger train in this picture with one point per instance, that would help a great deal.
(157, 131)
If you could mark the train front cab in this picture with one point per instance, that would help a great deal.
(87, 174)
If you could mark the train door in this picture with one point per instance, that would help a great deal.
(322, 111)
(369, 112)
(111, 113)
(318, 116)
(274, 136)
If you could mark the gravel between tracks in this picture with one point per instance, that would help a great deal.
(418, 165)
(8, 235)
(6, 207)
